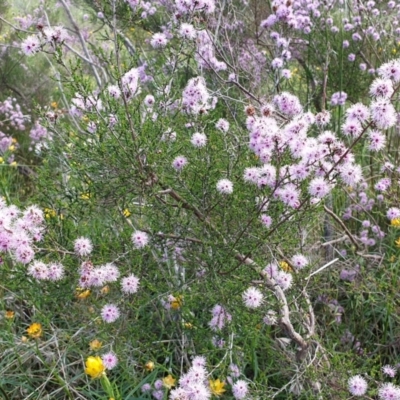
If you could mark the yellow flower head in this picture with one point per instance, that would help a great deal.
(217, 387)
(82, 294)
(10, 314)
(35, 330)
(169, 381)
(395, 222)
(397, 242)
(95, 344)
(50, 213)
(149, 366)
(176, 302)
(285, 266)
(126, 213)
(94, 367)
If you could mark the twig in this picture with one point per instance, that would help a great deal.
(343, 226)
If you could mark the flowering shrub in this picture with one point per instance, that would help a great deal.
(192, 172)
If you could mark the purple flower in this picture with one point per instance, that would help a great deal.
(222, 125)
(357, 385)
(110, 313)
(383, 113)
(338, 98)
(284, 279)
(187, 31)
(159, 40)
(319, 188)
(277, 63)
(179, 162)
(351, 57)
(130, 284)
(83, 246)
(31, 45)
(377, 140)
(146, 388)
(389, 370)
(390, 70)
(220, 318)
(140, 239)
(55, 271)
(198, 140)
(393, 213)
(381, 88)
(38, 270)
(388, 391)
(252, 297)
(110, 360)
(149, 101)
(240, 389)
(299, 261)
(266, 220)
(359, 112)
(225, 186)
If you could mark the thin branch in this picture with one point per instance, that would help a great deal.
(82, 40)
(342, 225)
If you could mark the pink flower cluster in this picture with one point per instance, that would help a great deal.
(195, 98)
(282, 278)
(220, 318)
(190, 6)
(91, 276)
(193, 384)
(41, 271)
(19, 230)
(47, 35)
(205, 53)
(12, 114)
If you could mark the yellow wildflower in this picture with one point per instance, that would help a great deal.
(14, 164)
(82, 294)
(188, 325)
(10, 314)
(95, 344)
(94, 367)
(54, 104)
(395, 222)
(397, 242)
(169, 381)
(126, 213)
(392, 259)
(149, 366)
(11, 148)
(176, 302)
(85, 196)
(49, 213)
(285, 266)
(217, 387)
(35, 330)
